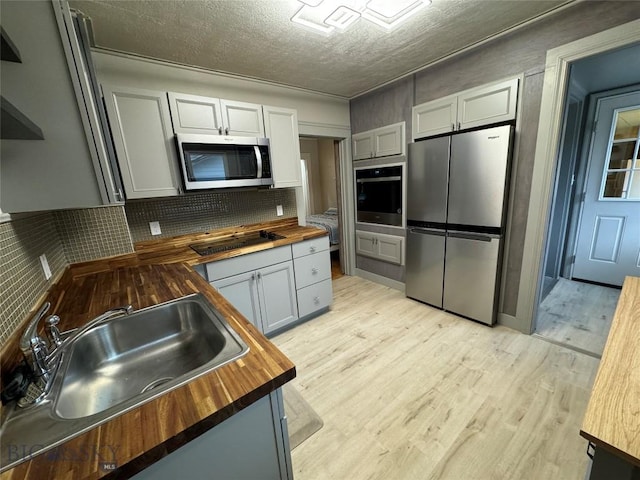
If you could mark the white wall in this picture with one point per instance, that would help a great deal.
(313, 108)
(327, 160)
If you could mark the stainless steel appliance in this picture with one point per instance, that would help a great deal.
(234, 242)
(379, 195)
(212, 161)
(456, 199)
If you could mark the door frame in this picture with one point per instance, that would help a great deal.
(547, 146)
(347, 207)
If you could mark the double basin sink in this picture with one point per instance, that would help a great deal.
(116, 367)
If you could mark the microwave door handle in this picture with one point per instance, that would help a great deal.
(259, 160)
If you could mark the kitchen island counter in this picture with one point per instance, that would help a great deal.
(157, 272)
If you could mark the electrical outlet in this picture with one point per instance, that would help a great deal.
(279, 211)
(45, 266)
(155, 228)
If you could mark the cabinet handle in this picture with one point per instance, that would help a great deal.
(259, 275)
(226, 131)
(312, 248)
(253, 277)
(314, 270)
(316, 300)
(591, 450)
(220, 130)
(458, 125)
(453, 127)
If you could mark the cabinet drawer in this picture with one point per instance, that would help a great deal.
(312, 269)
(310, 246)
(244, 263)
(314, 297)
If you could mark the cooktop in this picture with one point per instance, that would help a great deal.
(222, 245)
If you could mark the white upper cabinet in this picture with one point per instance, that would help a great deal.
(215, 116)
(195, 114)
(143, 138)
(281, 127)
(379, 142)
(491, 104)
(479, 106)
(433, 118)
(243, 119)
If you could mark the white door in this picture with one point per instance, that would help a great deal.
(608, 246)
(277, 289)
(281, 127)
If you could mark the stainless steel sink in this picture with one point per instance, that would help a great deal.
(118, 366)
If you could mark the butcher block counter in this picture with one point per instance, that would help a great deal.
(157, 272)
(612, 419)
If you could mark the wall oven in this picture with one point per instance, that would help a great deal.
(379, 197)
(211, 161)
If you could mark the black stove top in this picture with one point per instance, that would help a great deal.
(216, 246)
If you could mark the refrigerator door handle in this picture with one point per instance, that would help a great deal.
(427, 231)
(482, 237)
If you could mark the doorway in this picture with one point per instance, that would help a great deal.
(321, 187)
(587, 249)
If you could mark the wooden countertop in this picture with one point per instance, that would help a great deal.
(612, 419)
(159, 271)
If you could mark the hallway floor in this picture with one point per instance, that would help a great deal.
(578, 315)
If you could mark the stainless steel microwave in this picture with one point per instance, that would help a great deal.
(212, 161)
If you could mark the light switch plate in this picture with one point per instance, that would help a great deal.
(45, 266)
(279, 211)
(155, 228)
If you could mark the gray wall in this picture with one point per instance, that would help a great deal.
(521, 52)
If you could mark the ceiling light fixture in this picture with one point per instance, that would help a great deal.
(324, 16)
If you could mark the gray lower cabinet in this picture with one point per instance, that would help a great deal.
(252, 444)
(260, 285)
(312, 266)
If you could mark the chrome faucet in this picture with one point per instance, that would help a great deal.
(43, 358)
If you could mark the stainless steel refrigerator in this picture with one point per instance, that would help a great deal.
(456, 200)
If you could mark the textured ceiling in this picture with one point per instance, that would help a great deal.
(255, 38)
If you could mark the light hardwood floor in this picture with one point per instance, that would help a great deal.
(409, 392)
(578, 314)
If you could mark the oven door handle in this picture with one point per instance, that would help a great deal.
(379, 179)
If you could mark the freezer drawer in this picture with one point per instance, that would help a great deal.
(425, 265)
(471, 271)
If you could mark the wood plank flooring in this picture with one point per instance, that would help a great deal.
(410, 392)
(578, 314)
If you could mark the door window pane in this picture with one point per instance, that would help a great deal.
(622, 172)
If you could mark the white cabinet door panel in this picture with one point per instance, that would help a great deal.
(241, 291)
(389, 140)
(277, 292)
(195, 114)
(490, 104)
(281, 127)
(390, 249)
(433, 118)
(362, 145)
(312, 269)
(244, 119)
(309, 247)
(365, 244)
(143, 137)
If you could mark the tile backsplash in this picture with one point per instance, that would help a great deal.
(203, 212)
(93, 233)
(22, 241)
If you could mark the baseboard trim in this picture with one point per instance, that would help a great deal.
(374, 277)
(510, 321)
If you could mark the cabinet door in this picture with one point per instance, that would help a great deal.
(244, 119)
(490, 104)
(277, 291)
(195, 114)
(433, 118)
(281, 126)
(362, 145)
(389, 248)
(366, 244)
(241, 291)
(143, 137)
(389, 140)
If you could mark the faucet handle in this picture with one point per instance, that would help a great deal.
(52, 329)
